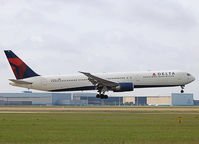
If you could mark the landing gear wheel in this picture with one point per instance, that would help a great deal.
(97, 96)
(182, 91)
(102, 96)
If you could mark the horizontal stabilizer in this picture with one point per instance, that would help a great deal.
(20, 81)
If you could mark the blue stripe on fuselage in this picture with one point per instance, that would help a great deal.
(75, 89)
(94, 88)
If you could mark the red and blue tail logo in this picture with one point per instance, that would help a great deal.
(20, 69)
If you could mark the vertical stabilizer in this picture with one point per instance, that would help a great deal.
(19, 68)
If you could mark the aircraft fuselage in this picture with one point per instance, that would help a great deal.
(80, 82)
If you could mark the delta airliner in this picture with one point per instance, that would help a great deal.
(102, 82)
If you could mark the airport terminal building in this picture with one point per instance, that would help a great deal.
(81, 99)
(175, 99)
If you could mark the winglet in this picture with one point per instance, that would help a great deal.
(85, 73)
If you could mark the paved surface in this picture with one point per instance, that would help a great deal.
(98, 109)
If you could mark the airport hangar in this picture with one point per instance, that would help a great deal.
(29, 98)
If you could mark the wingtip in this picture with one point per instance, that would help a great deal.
(83, 72)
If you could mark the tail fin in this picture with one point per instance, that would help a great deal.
(19, 68)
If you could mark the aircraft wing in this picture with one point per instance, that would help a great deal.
(99, 81)
(20, 81)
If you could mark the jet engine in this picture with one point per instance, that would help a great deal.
(124, 87)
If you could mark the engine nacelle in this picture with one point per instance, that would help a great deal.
(124, 87)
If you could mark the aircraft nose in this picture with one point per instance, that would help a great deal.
(193, 78)
(190, 77)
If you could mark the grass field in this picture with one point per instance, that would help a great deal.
(99, 128)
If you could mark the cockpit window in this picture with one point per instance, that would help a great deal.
(188, 74)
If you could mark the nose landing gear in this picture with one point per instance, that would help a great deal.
(182, 89)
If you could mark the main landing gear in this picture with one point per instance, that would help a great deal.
(101, 91)
(102, 96)
(182, 89)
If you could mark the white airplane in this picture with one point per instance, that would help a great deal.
(116, 82)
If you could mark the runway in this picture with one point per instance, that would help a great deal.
(99, 109)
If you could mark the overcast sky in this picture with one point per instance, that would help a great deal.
(66, 36)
